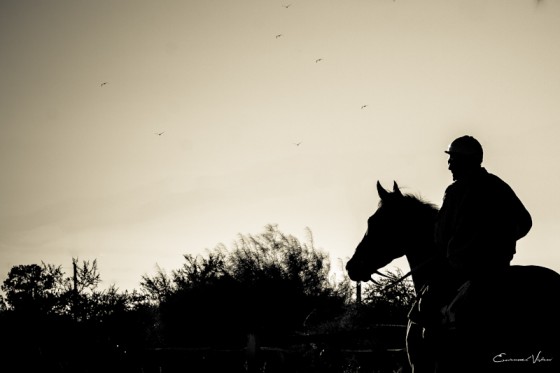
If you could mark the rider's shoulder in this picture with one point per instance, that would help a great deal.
(493, 180)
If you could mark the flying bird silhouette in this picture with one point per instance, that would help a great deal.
(297, 143)
(364, 106)
(102, 84)
(318, 60)
(287, 6)
(160, 133)
(279, 35)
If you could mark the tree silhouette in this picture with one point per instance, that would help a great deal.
(33, 288)
(86, 277)
(268, 283)
(51, 320)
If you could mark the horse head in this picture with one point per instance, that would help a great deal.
(382, 242)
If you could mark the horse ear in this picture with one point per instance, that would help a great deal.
(396, 189)
(383, 194)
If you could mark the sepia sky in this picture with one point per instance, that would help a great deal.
(233, 86)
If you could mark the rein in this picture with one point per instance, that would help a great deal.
(402, 278)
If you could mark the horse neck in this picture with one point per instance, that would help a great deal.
(420, 247)
(420, 256)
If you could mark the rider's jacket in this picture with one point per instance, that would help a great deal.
(479, 222)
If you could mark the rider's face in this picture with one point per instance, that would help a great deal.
(459, 166)
(452, 166)
(456, 166)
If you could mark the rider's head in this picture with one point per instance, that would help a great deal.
(465, 156)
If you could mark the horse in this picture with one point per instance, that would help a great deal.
(510, 323)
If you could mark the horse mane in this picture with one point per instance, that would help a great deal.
(417, 204)
(422, 203)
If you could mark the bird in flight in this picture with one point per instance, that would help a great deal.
(287, 6)
(297, 143)
(364, 106)
(278, 36)
(102, 84)
(160, 133)
(318, 60)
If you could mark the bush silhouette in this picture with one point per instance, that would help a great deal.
(267, 284)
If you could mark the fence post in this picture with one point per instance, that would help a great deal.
(251, 352)
(74, 304)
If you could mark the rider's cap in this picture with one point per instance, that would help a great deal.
(466, 146)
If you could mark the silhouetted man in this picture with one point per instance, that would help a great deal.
(481, 217)
(476, 231)
(477, 227)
